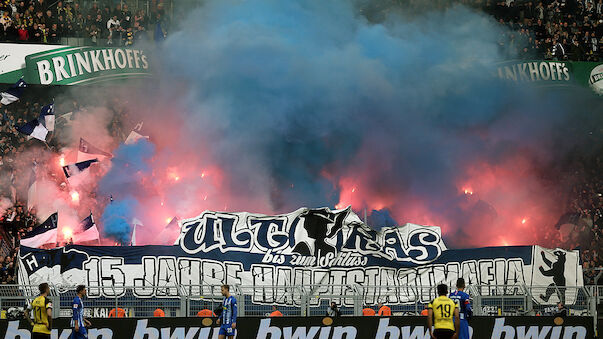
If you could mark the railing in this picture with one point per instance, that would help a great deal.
(307, 300)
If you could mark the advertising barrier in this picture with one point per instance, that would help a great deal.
(554, 73)
(65, 65)
(313, 328)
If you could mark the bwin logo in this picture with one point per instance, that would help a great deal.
(502, 331)
(14, 332)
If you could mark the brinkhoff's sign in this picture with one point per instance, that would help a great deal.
(78, 65)
(310, 247)
(313, 328)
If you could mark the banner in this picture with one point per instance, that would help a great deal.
(309, 247)
(554, 73)
(65, 65)
(79, 65)
(313, 328)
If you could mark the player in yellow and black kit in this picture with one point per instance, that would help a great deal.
(441, 312)
(42, 312)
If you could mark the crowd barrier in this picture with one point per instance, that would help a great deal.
(313, 327)
(307, 300)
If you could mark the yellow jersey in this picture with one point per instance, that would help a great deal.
(40, 305)
(443, 312)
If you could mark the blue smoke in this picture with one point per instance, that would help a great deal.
(123, 183)
(116, 219)
(129, 165)
(290, 90)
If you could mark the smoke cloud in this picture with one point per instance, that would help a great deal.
(266, 106)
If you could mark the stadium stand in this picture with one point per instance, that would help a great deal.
(34, 21)
(548, 29)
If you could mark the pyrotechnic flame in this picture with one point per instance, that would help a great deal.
(67, 233)
(62, 160)
(75, 196)
(524, 220)
(468, 191)
(172, 175)
(167, 220)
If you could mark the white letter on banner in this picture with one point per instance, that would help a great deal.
(120, 58)
(137, 58)
(579, 331)
(265, 329)
(179, 333)
(145, 64)
(99, 333)
(500, 327)
(109, 60)
(384, 329)
(71, 64)
(65, 334)
(97, 65)
(419, 332)
(83, 63)
(59, 68)
(129, 56)
(300, 332)
(142, 330)
(44, 71)
(340, 331)
(13, 331)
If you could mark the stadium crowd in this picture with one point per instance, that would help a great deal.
(40, 21)
(586, 204)
(531, 29)
(550, 29)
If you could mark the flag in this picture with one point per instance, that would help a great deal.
(73, 169)
(87, 151)
(133, 137)
(135, 222)
(34, 129)
(47, 117)
(32, 189)
(89, 231)
(13, 93)
(169, 234)
(46, 233)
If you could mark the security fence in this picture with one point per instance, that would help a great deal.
(307, 300)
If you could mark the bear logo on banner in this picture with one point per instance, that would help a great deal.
(320, 225)
(557, 271)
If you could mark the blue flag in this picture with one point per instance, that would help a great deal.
(13, 93)
(34, 129)
(47, 117)
(87, 232)
(73, 169)
(46, 233)
(87, 223)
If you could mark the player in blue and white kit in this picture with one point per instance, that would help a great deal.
(78, 323)
(228, 318)
(463, 301)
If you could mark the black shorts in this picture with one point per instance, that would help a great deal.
(36, 335)
(443, 333)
